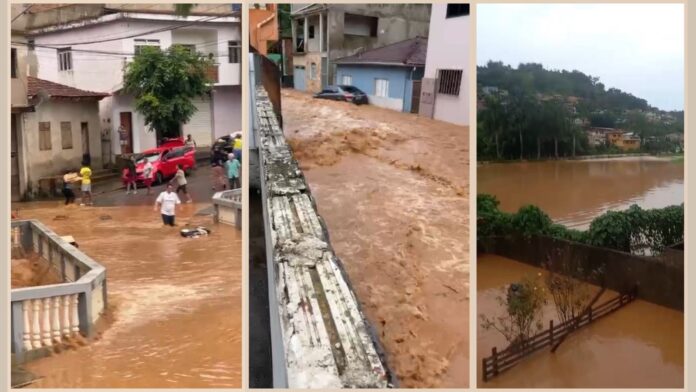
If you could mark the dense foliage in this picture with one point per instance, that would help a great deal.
(635, 230)
(164, 84)
(530, 112)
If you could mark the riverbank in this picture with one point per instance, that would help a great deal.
(599, 157)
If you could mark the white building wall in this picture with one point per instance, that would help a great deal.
(448, 48)
(95, 72)
(49, 163)
(227, 109)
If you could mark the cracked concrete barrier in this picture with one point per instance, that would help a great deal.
(319, 335)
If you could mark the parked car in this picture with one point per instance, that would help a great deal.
(343, 93)
(164, 162)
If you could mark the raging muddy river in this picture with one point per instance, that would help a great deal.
(639, 346)
(175, 303)
(393, 190)
(575, 192)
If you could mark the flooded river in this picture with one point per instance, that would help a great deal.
(175, 302)
(639, 346)
(393, 190)
(575, 192)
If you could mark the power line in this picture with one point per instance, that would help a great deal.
(22, 13)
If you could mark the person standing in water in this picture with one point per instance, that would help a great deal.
(181, 182)
(166, 202)
(86, 177)
(68, 178)
(147, 175)
(232, 166)
(131, 177)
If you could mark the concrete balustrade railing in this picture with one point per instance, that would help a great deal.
(228, 207)
(45, 316)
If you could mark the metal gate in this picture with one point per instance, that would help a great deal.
(299, 78)
(415, 96)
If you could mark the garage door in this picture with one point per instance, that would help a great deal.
(200, 126)
(299, 78)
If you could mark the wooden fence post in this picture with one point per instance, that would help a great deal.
(495, 361)
(551, 331)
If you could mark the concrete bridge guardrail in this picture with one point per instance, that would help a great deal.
(44, 316)
(228, 207)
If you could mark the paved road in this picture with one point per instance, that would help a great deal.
(199, 186)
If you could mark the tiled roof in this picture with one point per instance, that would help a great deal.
(55, 90)
(409, 52)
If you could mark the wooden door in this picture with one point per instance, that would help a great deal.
(415, 99)
(85, 137)
(126, 132)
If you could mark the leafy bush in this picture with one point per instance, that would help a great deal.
(634, 230)
(531, 220)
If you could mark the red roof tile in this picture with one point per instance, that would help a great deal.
(410, 52)
(55, 90)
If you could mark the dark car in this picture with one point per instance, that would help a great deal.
(343, 93)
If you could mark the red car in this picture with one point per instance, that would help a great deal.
(164, 162)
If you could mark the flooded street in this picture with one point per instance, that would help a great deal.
(639, 346)
(393, 190)
(575, 192)
(175, 302)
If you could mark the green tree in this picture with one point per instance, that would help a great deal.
(164, 84)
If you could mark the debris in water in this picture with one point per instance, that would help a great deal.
(60, 217)
(195, 233)
(105, 217)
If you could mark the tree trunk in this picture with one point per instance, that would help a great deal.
(497, 146)
(521, 146)
(538, 147)
(555, 147)
(573, 145)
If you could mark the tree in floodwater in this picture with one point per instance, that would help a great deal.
(523, 303)
(164, 83)
(566, 283)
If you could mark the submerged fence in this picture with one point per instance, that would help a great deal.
(45, 316)
(500, 361)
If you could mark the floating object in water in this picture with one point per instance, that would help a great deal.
(195, 233)
(70, 240)
(105, 217)
(60, 217)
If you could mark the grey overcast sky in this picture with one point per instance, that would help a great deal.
(638, 48)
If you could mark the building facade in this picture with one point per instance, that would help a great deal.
(263, 26)
(87, 54)
(445, 87)
(322, 33)
(388, 75)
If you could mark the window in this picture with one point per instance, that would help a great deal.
(189, 47)
(449, 81)
(139, 44)
(235, 51)
(382, 87)
(455, 10)
(64, 59)
(347, 80)
(44, 136)
(313, 71)
(66, 135)
(361, 25)
(13, 63)
(311, 31)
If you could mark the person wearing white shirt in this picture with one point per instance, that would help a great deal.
(166, 202)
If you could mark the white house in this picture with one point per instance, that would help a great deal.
(445, 86)
(90, 54)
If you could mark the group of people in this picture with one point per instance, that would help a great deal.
(71, 177)
(226, 167)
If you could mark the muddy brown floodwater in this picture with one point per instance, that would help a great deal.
(393, 190)
(575, 192)
(639, 346)
(175, 302)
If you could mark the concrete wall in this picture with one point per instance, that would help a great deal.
(18, 85)
(660, 280)
(311, 84)
(364, 78)
(448, 48)
(52, 162)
